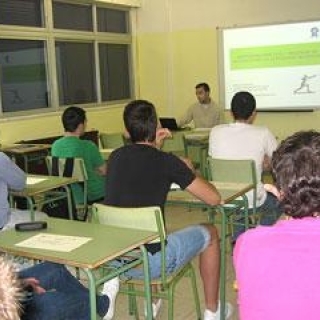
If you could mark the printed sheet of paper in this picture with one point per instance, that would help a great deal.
(54, 242)
(34, 180)
(174, 186)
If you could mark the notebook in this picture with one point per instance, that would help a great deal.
(169, 123)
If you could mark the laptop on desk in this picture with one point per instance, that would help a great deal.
(169, 123)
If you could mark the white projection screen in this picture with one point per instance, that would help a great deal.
(279, 64)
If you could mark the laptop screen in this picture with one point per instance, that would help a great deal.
(169, 123)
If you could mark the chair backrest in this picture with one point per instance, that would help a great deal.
(111, 140)
(141, 218)
(77, 167)
(227, 170)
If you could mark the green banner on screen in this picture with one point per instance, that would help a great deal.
(276, 56)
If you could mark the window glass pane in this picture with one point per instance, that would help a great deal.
(110, 20)
(75, 70)
(21, 12)
(72, 16)
(23, 76)
(114, 70)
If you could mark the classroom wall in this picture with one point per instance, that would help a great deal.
(178, 46)
(33, 127)
(175, 46)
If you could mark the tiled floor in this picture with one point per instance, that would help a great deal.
(178, 217)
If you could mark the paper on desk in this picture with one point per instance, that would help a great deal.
(174, 186)
(34, 180)
(54, 242)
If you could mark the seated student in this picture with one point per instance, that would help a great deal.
(243, 140)
(11, 177)
(53, 294)
(204, 113)
(74, 123)
(277, 267)
(140, 174)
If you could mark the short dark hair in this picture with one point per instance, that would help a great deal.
(141, 121)
(296, 169)
(243, 104)
(72, 117)
(203, 85)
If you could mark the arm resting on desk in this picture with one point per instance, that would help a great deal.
(204, 191)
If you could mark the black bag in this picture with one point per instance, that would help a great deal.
(59, 208)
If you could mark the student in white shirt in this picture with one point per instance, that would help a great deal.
(243, 140)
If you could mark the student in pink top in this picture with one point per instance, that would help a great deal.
(278, 267)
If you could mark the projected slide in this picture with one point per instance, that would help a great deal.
(279, 64)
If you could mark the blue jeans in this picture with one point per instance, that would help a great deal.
(182, 246)
(65, 299)
(269, 212)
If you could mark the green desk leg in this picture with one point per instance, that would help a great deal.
(68, 193)
(92, 294)
(246, 211)
(223, 262)
(223, 253)
(31, 205)
(93, 283)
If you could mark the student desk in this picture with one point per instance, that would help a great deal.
(28, 152)
(106, 243)
(199, 141)
(39, 185)
(175, 144)
(229, 191)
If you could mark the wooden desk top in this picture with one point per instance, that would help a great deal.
(228, 190)
(38, 184)
(106, 242)
(22, 148)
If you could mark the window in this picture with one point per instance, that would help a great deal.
(55, 53)
(110, 20)
(63, 13)
(23, 75)
(115, 68)
(21, 12)
(75, 61)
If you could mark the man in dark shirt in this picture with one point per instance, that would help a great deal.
(141, 175)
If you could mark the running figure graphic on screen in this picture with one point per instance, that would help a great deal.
(304, 86)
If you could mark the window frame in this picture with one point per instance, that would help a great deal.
(50, 35)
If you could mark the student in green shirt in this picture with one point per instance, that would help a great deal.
(71, 146)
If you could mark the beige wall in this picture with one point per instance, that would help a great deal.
(177, 44)
(104, 120)
(176, 48)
